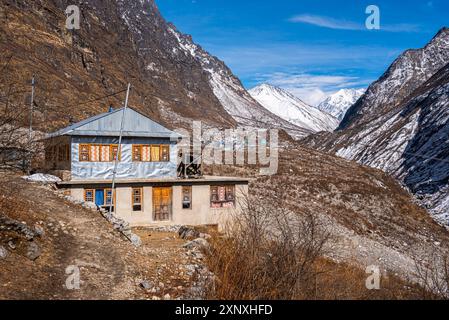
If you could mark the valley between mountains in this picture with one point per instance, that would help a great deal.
(372, 165)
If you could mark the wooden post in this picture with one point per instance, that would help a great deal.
(30, 133)
(114, 173)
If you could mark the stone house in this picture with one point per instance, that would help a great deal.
(148, 191)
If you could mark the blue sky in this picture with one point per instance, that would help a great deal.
(309, 47)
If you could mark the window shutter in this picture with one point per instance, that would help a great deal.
(105, 153)
(94, 153)
(146, 154)
(155, 154)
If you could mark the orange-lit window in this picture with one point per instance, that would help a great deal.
(155, 153)
(114, 152)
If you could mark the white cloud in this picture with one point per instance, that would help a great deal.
(311, 96)
(246, 61)
(326, 22)
(340, 24)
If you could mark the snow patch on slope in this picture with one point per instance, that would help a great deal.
(338, 103)
(293, 109)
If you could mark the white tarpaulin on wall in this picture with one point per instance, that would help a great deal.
(126, 169)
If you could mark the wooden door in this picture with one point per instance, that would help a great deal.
(162, 204)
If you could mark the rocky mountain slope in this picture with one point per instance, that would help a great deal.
(118, 42)
(293, 109)
(373, 220)
(339, 103)
(405, 75)
(173, 80)
(403, 128)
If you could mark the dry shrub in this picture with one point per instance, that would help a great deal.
(269, 253)
(432, 273)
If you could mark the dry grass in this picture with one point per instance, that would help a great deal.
(433, 273)
(271, 255)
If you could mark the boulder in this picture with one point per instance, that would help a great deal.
(135, 240)
(34, 251)
(3, 252)
(19, 227)
(39, 230)
(146, 285)
(188, 233)
(199, 243)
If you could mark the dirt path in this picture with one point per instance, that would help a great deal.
(110, 267)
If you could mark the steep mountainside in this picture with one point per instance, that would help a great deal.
(412, 142)
(405, 75)
(292, 109)
(338, 103)
(119, 41)
(230, 92)
(409, 139)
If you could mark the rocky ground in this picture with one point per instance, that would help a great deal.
(52, 235)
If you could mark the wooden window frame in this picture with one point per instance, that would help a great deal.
(139, 146)
(81, 145)
(133, 204)
(111, 152)
(153, 146)
(217, 204)
(160, 146)
(191, 197)
(105, 190)
(93, 195)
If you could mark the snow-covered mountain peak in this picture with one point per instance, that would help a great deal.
(291, 108)
(338, 103)
(278, 93)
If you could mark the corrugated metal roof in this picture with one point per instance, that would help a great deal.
(108, 124)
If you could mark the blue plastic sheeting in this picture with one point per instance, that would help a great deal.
(126, 169)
